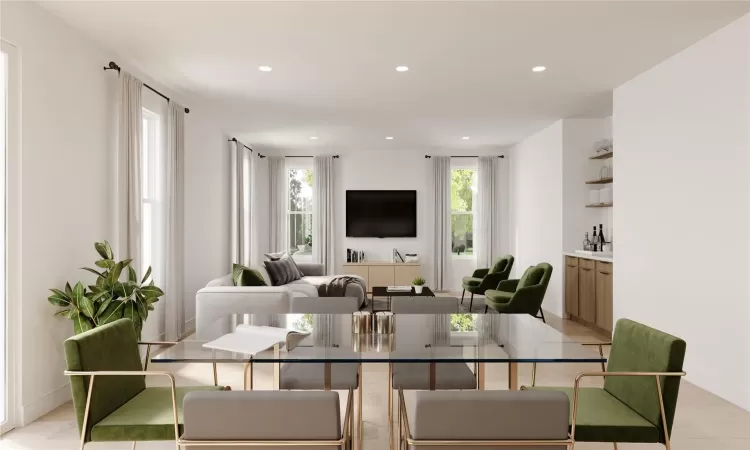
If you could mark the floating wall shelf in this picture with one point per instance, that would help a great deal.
(600, 181)
(602, 156)
(599, 205)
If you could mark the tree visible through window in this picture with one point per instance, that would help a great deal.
(462, 211)
(300, 212)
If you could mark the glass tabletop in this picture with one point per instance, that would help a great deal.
(491, 338)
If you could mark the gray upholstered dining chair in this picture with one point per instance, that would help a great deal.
(266, 419)
(311, 376)
(416, 376)
(424, 305)
(501, 419)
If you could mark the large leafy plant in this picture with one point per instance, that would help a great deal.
(117, 293)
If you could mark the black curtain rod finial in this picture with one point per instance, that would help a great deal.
(112, 66)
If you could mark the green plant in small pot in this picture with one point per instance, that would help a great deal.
(418, 284)
(113, 296)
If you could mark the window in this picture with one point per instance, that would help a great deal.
(150, 190)
(299, 214)
(463, 191)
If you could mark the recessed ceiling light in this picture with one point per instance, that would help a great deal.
(390, 138)
(313, 137)
(402, 69)
(538, 69)
(265, 68)
(466, 138)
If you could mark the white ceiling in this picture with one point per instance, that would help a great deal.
(334, 63)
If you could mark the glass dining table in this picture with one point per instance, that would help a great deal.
(364, 338)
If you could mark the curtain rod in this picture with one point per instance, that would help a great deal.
(308, 156)
(235, 140)
(465, 156)
(113, 66)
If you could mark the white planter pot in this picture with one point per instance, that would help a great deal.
(418, 289)
(301, 247)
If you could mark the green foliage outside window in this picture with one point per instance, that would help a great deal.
(462, 201)
(462, 322)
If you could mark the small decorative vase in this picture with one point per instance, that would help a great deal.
(418, 289)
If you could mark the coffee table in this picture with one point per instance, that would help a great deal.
(378, 291)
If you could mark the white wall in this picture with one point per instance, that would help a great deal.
(399, 170)
(579, 138)
(67, 189)
(536, 167)
(682, 194)
(207, 201)
(65, 160)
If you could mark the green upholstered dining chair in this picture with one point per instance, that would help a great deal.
(483, 279)
(110, 397)
(638, 401)
(522, 296)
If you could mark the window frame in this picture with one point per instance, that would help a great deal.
(298, 164)
(464, 164)
(151, 194)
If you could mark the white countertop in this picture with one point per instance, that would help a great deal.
(595, 258)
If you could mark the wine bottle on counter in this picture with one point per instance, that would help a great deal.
(601, 238)
(594, 239)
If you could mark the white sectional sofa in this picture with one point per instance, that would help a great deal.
(220, 299)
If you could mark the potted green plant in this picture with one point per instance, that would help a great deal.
(418, 284)
(113, 296)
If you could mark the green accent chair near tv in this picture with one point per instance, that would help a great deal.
(483, 279)
(638, 401)
(522, 296)
(110, 397)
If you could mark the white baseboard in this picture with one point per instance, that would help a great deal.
(189, 328)
(45, 404)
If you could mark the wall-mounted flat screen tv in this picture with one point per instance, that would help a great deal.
(381, 214)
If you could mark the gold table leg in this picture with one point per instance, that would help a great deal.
(327, 376)
(512, 376)
(276, 368)
(216, 376)
(248, 378)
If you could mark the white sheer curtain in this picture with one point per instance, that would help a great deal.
(324, 212)
(278, 198)
(242, 169)
(441, 187)
(487, 209)
(129, 135)
(174, 221)
(259, 231)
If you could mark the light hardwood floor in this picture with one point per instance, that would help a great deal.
(703, 422)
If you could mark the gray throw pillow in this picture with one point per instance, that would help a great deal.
(283, 255)
(282, 272)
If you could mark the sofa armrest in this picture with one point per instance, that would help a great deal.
(508, 285)
(311, 269)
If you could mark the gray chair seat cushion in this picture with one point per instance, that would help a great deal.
(416, 376)
(262, 415)
(424, 305)
(309, 376)
(488, 415)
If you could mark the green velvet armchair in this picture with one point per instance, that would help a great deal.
(638, 401)
(110, 397)
(523, 296)
(483, 279)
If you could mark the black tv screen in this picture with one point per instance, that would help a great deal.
(381, 214)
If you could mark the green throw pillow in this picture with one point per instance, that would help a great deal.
(245, 276)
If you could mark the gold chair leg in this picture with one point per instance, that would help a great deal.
(361, 407)
(533, 374)
(667, 443)
(133, 447)
(86, 411)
